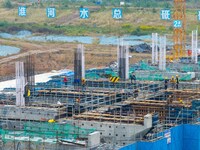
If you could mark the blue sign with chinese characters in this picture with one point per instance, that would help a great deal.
(177, 24)
(117, 13)
(198, 15)
(167, 135)
(165, 14)
(22, 11)
(51, 12)
(84, 13)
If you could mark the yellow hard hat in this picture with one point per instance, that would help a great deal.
(172, 76)
(51, 121)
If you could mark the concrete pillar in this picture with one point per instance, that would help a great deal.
(123, 62)
(20, 84)
(79, 63)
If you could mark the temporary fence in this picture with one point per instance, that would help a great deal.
(183, 137)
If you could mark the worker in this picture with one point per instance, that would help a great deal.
(180, 100)
(166, 83)
(27, 92)
(78, 100)
(135, 93)
(65, 80)
(173, 81)
(133, 77)
(177, 81)
(83, 82)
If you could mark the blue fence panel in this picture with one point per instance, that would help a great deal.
(130, 147)
(176, 138)
(184, 137)
(191, 137)
(157, 145)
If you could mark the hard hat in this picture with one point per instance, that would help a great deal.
(172, 76)
(166, 77)
(176, 75)
(51, 121)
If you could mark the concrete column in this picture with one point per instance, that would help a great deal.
(79, 63)
(20, 84)
(123, 62)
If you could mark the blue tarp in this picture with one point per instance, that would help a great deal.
(183, 137)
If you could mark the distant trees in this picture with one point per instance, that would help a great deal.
(7, 4)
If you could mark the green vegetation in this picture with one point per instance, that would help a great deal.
(140, 17)
(7, 4)
(52, 29)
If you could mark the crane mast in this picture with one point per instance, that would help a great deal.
(179, 34)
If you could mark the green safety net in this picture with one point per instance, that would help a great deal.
(186, 78)
(151, 72)
(45, 130)
(146, 66)
(187, 68)
(106, 74)
(150, 77)
(92, 75)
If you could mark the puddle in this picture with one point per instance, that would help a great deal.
(8, 50)
(103, 40)
(60, 38)
(21, 34)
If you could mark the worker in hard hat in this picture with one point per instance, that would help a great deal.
(133, 78)
(83, 83)
(135, 93)
(166, 83)
(177, 81)
(65, 80)
(180, 100)
(173, 82)
(51, 121)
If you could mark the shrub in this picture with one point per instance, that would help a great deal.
(7, 4)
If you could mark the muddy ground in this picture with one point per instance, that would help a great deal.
(55, 56)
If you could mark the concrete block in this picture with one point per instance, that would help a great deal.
(94, 139)
(148, 120)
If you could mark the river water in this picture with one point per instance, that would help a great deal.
(103, 40)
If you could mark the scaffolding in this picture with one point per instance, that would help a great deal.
(102, 101)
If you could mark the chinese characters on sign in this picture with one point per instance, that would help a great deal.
(51, 12)
(84, 13)
(22, 11)
(177, 23)
(165, 14)
(198, 15)
(167, 135)
(117, 13)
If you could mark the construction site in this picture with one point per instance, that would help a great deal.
(104, 100)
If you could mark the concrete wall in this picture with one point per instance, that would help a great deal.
(111, 133)
(28, 113)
